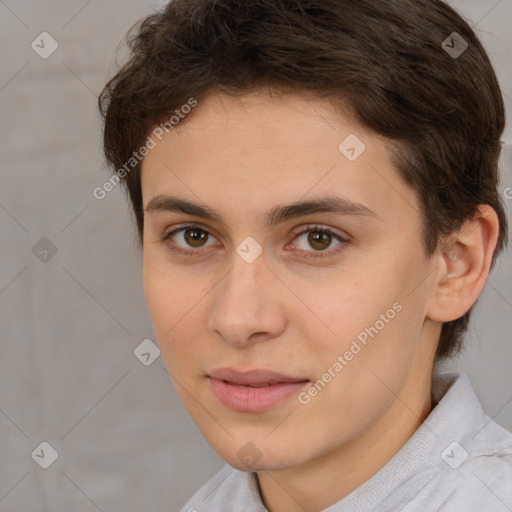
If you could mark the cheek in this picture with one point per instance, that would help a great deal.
(365, 314)
(348, 305)
(159, 298)
(165, 299)
(176, 309)
(166, 290)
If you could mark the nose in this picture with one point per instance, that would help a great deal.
(248, 305)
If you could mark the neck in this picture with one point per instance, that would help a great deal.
(324, 481)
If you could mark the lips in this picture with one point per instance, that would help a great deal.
(254, 390)
(253, 378)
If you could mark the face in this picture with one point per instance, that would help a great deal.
(288, 330)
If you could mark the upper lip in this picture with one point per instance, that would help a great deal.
(256, 377)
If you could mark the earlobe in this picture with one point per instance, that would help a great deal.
(464, 263)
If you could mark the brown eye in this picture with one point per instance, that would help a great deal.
(319, 240)
(195, 237)
(188, 239)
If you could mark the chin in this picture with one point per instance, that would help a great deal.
(261, 457)
(262, 465)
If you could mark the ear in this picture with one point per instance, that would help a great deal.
(464, 261)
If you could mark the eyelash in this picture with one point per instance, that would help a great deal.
(317, 254)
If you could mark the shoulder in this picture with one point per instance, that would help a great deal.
(480, 473)
(458, 460)
(474, 468)
(483, 482)
(229, 490)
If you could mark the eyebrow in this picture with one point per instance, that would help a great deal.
(276, 215)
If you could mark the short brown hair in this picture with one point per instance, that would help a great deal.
(383, 59)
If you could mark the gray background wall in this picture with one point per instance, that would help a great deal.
(69, 325)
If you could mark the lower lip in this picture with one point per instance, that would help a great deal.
(253, 399)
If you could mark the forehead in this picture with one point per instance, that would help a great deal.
(267, 117)
(261, 149)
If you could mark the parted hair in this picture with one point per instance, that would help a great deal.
(384, 61)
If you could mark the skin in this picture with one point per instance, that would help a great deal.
(292, 314)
